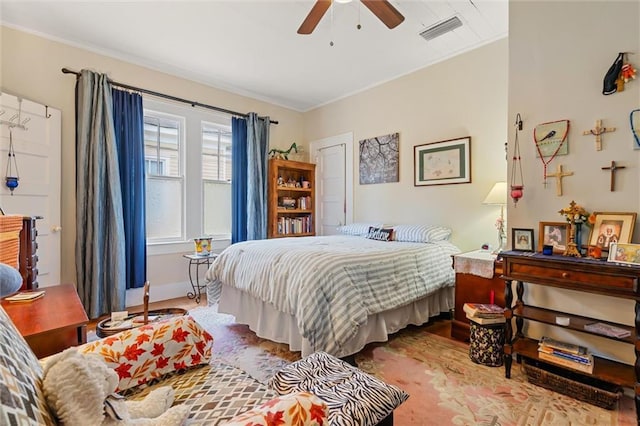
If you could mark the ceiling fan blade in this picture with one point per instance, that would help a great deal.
(315, 15)
(388, 14)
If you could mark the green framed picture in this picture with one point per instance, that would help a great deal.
(442, 163)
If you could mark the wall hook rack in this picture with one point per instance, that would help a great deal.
(16, 121)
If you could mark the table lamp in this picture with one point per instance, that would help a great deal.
(498, 196)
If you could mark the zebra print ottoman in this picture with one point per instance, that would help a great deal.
(354, 397)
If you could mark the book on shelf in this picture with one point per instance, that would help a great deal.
(585, 358)
(487, 321)
(25, 296)
(483, 310)
(607, 330)
(563, 346)
(563, 362)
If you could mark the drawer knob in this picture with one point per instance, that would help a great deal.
(565, 274)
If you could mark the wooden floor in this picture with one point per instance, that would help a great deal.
(440, 327)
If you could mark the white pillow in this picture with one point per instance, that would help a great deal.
(421, 233)
(359, 229)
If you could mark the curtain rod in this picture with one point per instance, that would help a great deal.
(173, 98)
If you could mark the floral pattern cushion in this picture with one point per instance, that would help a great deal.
(149, 352)
(301, 409)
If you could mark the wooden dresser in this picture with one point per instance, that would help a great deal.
(28, 259)
(471, 288)
(581, 275)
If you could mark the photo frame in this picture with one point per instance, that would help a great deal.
(554, 234)
(624, 253)
(442, 163)
(612, 227)
(522, 239)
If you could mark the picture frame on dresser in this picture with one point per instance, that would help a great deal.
(553, 234)
(522, 239)
(624, 253)
(612, 227)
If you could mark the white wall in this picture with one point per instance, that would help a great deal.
(559, 53)
(30, 68)
(463, 96)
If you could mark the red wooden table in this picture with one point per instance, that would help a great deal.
(51, 323)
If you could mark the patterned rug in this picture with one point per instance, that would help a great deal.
(446, 387)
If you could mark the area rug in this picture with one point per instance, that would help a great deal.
(446, 387)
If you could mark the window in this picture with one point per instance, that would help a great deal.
(216, 176)
(188, 173)
(163, 136)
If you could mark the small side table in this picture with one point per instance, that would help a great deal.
(51, 323)
(195, 260)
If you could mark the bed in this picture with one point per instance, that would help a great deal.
(332, 293)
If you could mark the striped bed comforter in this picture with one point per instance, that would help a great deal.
(330, 284)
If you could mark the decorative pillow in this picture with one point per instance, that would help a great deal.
(354, 397)
(302, 408)
(421, 233)
(22, 401)
(10, 280)
(358, 229)
(153, 350)
(380, 234)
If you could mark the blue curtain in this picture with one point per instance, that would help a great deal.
(100, 252)
(257, 154)
(238, 180)
(128, 122)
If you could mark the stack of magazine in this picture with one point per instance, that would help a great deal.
(484, 313)
(607, 330)
(565, 354)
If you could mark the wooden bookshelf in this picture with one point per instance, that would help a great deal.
(292, 181)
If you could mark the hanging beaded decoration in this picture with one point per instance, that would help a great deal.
(516, 168)
(634, 119)
(550, 134)
(10, 180)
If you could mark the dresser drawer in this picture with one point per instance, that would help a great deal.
(596, 277)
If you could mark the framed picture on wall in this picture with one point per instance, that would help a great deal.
(553, 234)
(610, 228)
(442, 163)
(522, 239)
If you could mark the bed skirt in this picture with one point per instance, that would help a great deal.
(268, 323)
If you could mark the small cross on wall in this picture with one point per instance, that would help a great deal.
(613, 168)
(597, 132)
(559, 174)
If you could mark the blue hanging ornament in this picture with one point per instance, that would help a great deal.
(11, 181)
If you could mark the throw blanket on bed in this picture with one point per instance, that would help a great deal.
(332, 283)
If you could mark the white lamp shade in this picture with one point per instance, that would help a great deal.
(497, 195)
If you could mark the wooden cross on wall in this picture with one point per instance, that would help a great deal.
(559, 174)
(613, 168)
(597, 132)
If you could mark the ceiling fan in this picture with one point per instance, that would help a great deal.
(388, 14)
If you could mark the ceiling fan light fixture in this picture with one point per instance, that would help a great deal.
(343, 1)
(441, 28)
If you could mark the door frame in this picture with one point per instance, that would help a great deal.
(347, 140)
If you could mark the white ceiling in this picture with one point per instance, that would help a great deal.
(251, 47)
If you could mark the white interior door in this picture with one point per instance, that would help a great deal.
(36, 133)
(334, 182)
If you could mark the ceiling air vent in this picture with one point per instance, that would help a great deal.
(441, 28)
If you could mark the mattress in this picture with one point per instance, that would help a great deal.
(332, 285)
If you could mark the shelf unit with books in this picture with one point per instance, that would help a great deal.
(291, 199)
(578, 274)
